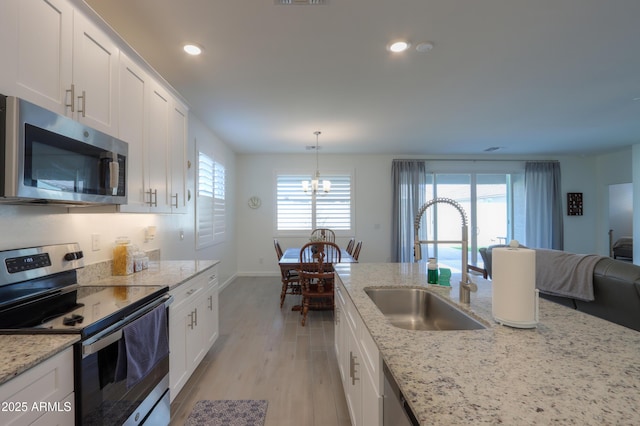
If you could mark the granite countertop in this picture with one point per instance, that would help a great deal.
(572, 369)
(22, 351)
(165, 272)
(19, 352)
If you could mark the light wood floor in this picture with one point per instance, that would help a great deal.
(264, 353)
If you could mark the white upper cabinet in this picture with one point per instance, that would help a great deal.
(132, 123)
(37, 45)
(178, 157)
(60, 60)
(95, 76)
(64, 59)
(154, 124)
(157, 160)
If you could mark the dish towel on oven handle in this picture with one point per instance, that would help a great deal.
(145, 343)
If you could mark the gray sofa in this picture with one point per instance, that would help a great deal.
(616, 288)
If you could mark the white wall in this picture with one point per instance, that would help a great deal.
(372, 194)
(579, 175)
(256, 228)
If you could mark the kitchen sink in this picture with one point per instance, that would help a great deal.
(419, 309)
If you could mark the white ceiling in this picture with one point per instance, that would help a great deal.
(529, 76)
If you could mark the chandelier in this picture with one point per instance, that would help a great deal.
(315, 182)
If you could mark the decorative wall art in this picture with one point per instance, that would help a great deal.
(574, 203)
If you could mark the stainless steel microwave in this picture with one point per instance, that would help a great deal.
(48, 158)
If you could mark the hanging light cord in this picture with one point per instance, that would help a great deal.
(317, 133)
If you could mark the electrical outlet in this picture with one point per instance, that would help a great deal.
(95, 242)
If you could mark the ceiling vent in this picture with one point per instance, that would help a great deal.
(301, 2)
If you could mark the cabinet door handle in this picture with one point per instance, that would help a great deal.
(211, 303)
(176, 204)
(352, 366)
(83, 103)
(195, 322)
(191, 320)
(153, 197)
(72, 97)
(336, 316)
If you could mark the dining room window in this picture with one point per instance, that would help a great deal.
(304, 211)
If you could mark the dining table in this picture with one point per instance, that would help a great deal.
(291, 260)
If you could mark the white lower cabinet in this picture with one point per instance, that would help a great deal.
(193, 326)
(42, 395)
(359, 363)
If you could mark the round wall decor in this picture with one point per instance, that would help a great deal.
(255, 202)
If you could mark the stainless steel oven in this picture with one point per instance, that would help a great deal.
(107, 393)
(51, 159)
(121, 364)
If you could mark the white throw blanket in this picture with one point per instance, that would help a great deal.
(565, 274)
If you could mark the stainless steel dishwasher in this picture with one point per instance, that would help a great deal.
(396, 410)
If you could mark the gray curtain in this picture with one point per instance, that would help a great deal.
(409, 186)
(544, 217)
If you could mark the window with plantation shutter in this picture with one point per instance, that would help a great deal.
(210, 202)
(219, 224)
(304, 211)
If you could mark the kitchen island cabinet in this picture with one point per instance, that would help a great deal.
(572, 369)
(359, 363)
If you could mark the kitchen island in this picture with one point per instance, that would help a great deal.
(572, 369)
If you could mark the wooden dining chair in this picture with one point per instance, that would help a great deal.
(290, 278)
(317, 276)
(324, 234)
(356, 251)
(350, 246)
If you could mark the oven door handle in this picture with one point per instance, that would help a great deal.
(114, 333)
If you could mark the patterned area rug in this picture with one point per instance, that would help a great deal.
(249, 412)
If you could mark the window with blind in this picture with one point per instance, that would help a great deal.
(304, 211)
(210, 202)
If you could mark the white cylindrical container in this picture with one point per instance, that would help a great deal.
(515, 297)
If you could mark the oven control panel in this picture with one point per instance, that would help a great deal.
(27, 263)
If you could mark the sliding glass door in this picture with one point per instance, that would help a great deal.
(492, 202)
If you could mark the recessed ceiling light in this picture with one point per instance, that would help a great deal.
(192, 49)
(399, 46)
(424, 47)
